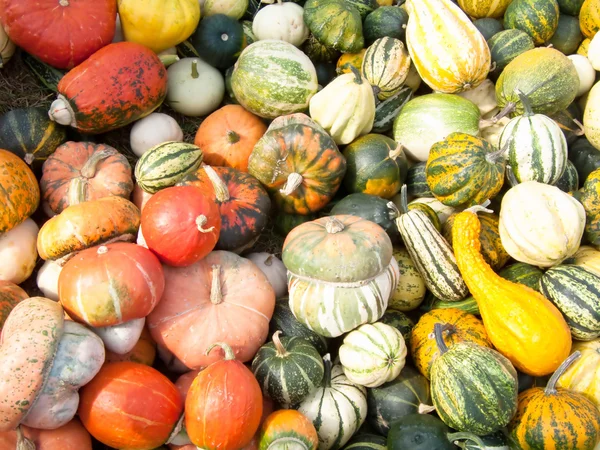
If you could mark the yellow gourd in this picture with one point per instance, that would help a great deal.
(583, 375)
(589, 18)
(588, 258)
(350, 59)
(158, 24)
(521, 323)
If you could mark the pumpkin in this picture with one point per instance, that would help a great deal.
(7, 47)
(62, 35)
(540, 339)
(317, 52)
(21, 194)
(567, 36)
(80, 171)
(587, 257)
(217, 286)
(130, 405)
(582, 374)
(274, 270)
(589, 18)
(288, 427)
(591, 117)
(590, 200)
(551, 417)
(87, 224)
(18, 251)
(540, 224)
(439, 27)
(72, 436)
(385, 66)
(92, 95)
(228, 136)
(47, 279)
(298, 163)
(537, 18)
(243, 204)
(410, 291)
(346, 61)
(139, 197)
(336, 24)
(486, 8)
(281, 21)
(459, 326)
(10, 296)
(224, 404)
(160, 24)
(507, 45)
(121, 338)
(385, 21)
(585, 157)
(473, 388)
(93, 289)
(152, 130)
(144, 351)
(231, 8)
(219, 40)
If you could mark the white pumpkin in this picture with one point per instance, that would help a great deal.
(373, 354)
(47, 279)
(18, 252)
(232, 8)
(345, 107)
(7, 47)
(152, 130)
(585, 71)
(413, 79)
(540, 224)
(121, 338)
(281, 21)
(484, 96)
(593, 53)
(194, 88)
(274, 269)
(591, 116)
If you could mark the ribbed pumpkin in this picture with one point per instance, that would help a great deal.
(20, 195)
(385, 21)
(484, 8)
(459, 327)
(385, 66)
(583, 374)
(464, 170)
(288, 428)
(537, 18)
(298, 163)
(336, 24)
(587, 257)
(555, 418)
(507, 45)
(589, 18)
(10, 295)
(439, 27)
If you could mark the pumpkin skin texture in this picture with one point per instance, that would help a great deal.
(589, 18)
(336, 24)
(228, 136)
(583, 374)
(74, 34)
(537, 18)
(10, 296)
(20, 195)
(72, 436)
(288, 426)
(80, 171)
(216, 288)
(129, 405)
(117, 85)
(224, 405)
(525, 326)
(111, 284)
(144, 351)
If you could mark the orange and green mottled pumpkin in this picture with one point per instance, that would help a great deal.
(288, 427)
(298, 163)
(10, 295)
(589, 18)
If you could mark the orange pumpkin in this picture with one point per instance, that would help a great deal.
(80, 171)
(144, 351)
(212, 298)
(130, 406)
(224, 405)
(72, 436)
(228, 135)
(20, 193)
(286, 427)
(10, 295)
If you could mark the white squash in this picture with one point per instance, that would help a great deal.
(18, 252)
(593, 53)
(274, 269)
(232, 8)
(585, 71)
(47, 279)
(540, 224)
(484, 96)
(588, 258)
(281, 21)
(345, 107)
(591, 116)
(7, 47)
(194, 87)
(152, 130)
(121, 338)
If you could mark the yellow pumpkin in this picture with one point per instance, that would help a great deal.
(350, 59)
(158, 24)
(584, 46)
(484, 8)
(583, 375)
(588, 258)
(589, 18)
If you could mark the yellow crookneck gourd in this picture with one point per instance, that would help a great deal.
(521, 323)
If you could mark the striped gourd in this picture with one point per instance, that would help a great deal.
(537, 18)
(589, 18)
(484, 8)
(385, 65)
(336, 24)
(473, 388)
(416, 181)
(165, 164)
(448, 51)
(373, 354)
(537, 148)
(367, 442)
(569, 181)
(411, 290)
(431, 254)
(387, 110)
(288, 369)
(337, 408)
(575, 292)
(507, 45)
(399, 321)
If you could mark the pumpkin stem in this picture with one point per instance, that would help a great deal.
(438, 332)
(425, 409)
(510, 175)
(334, 225)
(269, 261)
(468, 436)
(168, 60)
(551, 386)
(229, 354)
(508, 108)
(102, 250)
(221, 191)
(281, 351)
(393, 213)
(480, 208)
(327, 371)
(61, 112)
(493, 157)
(63, 2)
(493, 66)
(22, 442)
(201, 220)
(486, 123)
(232, 137)
(579, 132)
(403, 199)
(357, 75)
(293, 182)
(195, 73)
(393, 154)
(91, 165)
(216, 296)
(29, 157)
(526, 104)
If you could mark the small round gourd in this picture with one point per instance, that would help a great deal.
(385, 66)
(411, 290)
(274, 270)
(18, 252)
(584, 373)
(281, 21)
(232, 8)
(288, 429)
(152, 130)
(537, 18)
(336, 24)
(218, 40)
(586, 72)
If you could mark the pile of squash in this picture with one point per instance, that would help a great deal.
(432, 167)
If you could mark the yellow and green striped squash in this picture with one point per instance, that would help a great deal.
(410, 291)
(583, 47)
(484, 8)
(385, 66)
(537, 18)
(336, 24)
(589, 18)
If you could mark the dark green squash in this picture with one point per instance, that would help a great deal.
(567, 36)
(571, 7)
(399, 321)
(416, 181)
(570, 122)
(385, 21)
(219, 40)
(507, 45)
(488, 27)
(495, 441)
(284, 223)
(336, 24)
(48, 75)
(317, 52)
(585, 157)
(569, 181)
(325, 72)
(387, 110)
(363, 441)
(537, 18)
(364, 7)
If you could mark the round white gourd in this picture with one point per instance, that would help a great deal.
(47, 279)
(152, 130)
(540, 224)
(591, 116)
(194, 87)
(232, 8)
(121, 338)
(585, 71)
(484, 96)
(281, 21)
(274, 270)
(593, 53)
(18, 252)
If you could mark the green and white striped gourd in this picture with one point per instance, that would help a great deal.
(537, 148)
(431, 253)
(387, 110)
(165, 164)
(385, 65)
(288, 369)
(337, 408)
(367, 442)
(576, 293)
(373, 354)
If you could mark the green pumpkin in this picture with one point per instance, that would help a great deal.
(416, 181)
(364, 7)
(571, 7)
(400, 321)
(325, 73)
(569, 181)
(570, 122)
(507, 45)
(219, 40)
(488, 27)
(585, 157)
(284, 222)
(376, 165)
(363, 441)
(317, 52)
(336, 24)
(288, 369)
(567, 36)
(385, 21)
(537, 18)
(387, 110)
(495, 441)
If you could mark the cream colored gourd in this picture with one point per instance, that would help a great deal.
(588, 258)
(47, 279)
(593, 53)
(484, 96)
(232, 8)
(7, 48)
(385, 66)
(18, 252)
(281, 21)
(585, 71)
(450, 54)
(273, 269)
(540, 224)
(345, 107)
(152, 130)
(411, 290)
(583, 375)
(591, 116)
(121, 338)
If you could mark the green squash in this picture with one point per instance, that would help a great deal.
(337, 24)
(569, 181)
(585, 157)
(219, 40)
(325, 73)
(473, 388)
(385, 21)
(400, 321)
(364, 7)
(488, 27)
(49, 76)
(495, 441)
(429, 212)
(387, 110)
(571, 7)
(537, 18)
(570, 122)
(416, 181)
(284, 222)
(288, 369)
(407, 394)
(363, 441)
(317, 52)
(507, 45)
(567, 36)
(376, 165)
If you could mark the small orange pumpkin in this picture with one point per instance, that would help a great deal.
(10, 295)
(288, 426)
(72, 436)
(144, 351)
